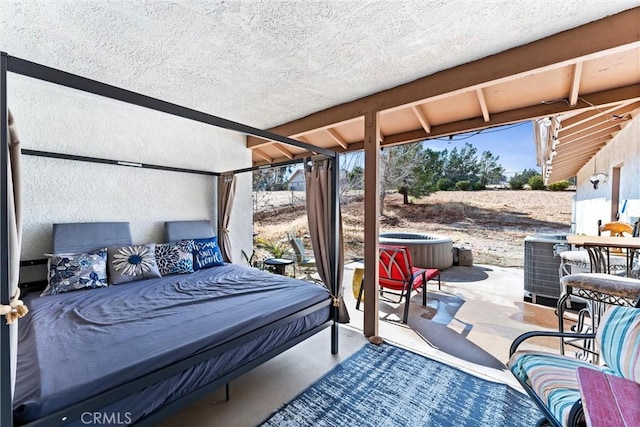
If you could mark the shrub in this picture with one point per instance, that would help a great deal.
(559, 186)
(536, 182)
(478, 186)
(463, 185)
(516, 183)
(444, 184)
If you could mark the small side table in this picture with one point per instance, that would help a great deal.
(608, 400)
(279, 264)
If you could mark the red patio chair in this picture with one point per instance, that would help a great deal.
(397, 274)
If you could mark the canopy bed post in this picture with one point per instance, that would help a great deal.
(336, 253)
(6, 410)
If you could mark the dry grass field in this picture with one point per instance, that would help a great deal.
(492, 223)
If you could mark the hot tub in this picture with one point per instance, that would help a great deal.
(427, 250)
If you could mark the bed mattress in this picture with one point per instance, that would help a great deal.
(76, 345)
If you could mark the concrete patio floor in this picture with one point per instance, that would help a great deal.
(469, 324)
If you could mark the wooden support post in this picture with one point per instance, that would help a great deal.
(371, 221)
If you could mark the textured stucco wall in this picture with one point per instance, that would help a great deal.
(592, 205)
(53, 118)
(268, 62)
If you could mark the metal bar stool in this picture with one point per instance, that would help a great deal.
(598, 290)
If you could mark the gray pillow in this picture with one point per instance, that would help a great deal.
(131, 263)
(72, 272)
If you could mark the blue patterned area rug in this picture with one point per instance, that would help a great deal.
(389, 386)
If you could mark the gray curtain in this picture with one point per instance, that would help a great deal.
(319, 194)
(226, 194)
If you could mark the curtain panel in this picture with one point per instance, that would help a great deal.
(14, 211)
(226, 195)
(319, 191)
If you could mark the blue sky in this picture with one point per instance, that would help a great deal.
(514, 145)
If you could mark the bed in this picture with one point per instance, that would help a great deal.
(138, 351)
(179, 359)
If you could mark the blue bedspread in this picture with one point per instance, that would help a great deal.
(75, 345)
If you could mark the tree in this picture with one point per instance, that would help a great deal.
(463, 165)
(355, 178)
(403, 167)
(266, 180)
(490, 170)
(520, 179)
(271, 179)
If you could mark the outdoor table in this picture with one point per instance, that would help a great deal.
(600, 248)
(278, 264)
(608, 400)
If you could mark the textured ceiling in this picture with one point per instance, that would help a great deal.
(268, 62)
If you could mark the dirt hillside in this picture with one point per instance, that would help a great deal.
(492, 223)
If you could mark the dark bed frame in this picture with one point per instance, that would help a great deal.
(40, 72)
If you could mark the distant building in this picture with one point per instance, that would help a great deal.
(297, 181)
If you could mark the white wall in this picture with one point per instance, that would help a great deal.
(592, 205)
(57, 119)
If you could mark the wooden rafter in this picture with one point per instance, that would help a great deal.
(263, 155)
(483, 104)
(591, 115)
(256, 142)
(603, 129)
(337, 138)
(284, 151)
(575, 83)
(598, 123)
(572, 149)
(509, 117)
(576, 160)
(421, 118)
(304, 139)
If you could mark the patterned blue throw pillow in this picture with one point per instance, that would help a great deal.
(72, 272)
(175, 258)
(131, 263)
(206, 253)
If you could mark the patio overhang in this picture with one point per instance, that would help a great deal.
(584, 83)
(584, 77)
